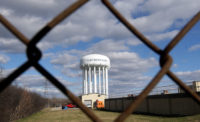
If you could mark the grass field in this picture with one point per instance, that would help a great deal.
(76, 115)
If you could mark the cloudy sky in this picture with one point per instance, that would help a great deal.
(93, 29)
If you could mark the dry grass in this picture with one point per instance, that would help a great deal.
(76, 115)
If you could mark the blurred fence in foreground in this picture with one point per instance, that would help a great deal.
(34, 55)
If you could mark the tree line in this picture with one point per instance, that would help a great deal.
(17, 103)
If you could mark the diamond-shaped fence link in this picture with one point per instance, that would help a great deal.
(34, 55)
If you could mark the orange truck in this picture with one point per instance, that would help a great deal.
(99, 104)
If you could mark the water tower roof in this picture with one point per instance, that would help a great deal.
(95, 60)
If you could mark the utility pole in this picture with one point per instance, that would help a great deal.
(46, 92)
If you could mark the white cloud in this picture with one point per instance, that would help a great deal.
(63, 58)
(108, 46)
(37, 80)
(27, 24)
(67, 63)
(156, 16)
(126, 58)
(46, 8)
(194, 47)
(95, 23)
(163, 36)
(128, 67)
(127, 7)
(11, 45)
(39, 84)
(162, 10)
(189, 75)
(177, 7)
(5, 11)
(4, 59)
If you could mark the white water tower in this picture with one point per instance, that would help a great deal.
(95, 76)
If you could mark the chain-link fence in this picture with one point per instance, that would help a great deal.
(34, 55)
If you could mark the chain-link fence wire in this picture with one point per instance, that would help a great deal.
(34, 55)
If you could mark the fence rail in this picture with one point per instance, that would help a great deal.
(34, 55)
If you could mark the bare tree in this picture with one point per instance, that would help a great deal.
(16, 103)
(24, 108)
